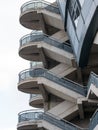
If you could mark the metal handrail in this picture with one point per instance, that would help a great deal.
(94, 120)
(40, 72)
(31, 110)
(39, 36)
(39, 4)
(66, 122)
(30, 37)
(34, 95)
(93, 79)
(29, 115)
(32, 115)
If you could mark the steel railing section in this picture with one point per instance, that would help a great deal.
(94, 120)
(39, 4)
(34, 95)
(52, 119)
(93, 79)
(52, 41)
(64, 82)
(29, 115)
(61, 123)
(37, 37)
(36, 64)
(33, 36)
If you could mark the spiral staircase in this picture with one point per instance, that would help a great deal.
(65, 96)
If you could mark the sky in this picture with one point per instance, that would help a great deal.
(12, 101)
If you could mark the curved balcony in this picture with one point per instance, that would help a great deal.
(27, 50)
(28, 79)
(30, 48)
(29, 119)
(32, 120)
(36, 100)
(28, 84)
(35, 13)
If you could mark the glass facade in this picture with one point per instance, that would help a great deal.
(74, 10)
(80, 23)
(81, 2)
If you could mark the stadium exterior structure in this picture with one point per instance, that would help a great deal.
(63, 76)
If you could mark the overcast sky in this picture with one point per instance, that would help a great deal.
(12, 101)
